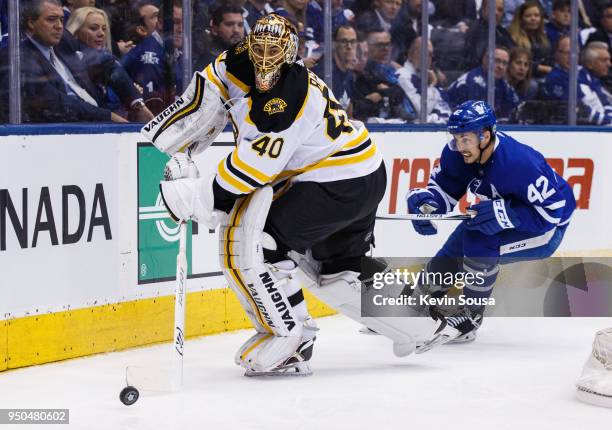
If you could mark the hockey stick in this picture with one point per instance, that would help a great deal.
(428, 217)
(161, 378)
(179, 308)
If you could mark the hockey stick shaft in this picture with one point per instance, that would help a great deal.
(179, 308)
(426, 217)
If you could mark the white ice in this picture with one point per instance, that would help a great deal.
(519, 374)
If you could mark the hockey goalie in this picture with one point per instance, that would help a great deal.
(302, 178)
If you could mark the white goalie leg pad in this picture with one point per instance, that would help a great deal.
(342, 291)
(191, 199)
(193, 121)
(595, 383)
(262, 286)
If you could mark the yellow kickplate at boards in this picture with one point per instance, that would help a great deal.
(57, 336)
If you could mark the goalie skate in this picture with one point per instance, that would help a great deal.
(595, 383)
(296, 365)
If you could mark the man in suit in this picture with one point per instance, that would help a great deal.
(55, 84)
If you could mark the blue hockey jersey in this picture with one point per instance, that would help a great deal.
(515, 172)
(590, 93)
(473, 86)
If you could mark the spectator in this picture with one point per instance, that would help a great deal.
(378, 95)
(559, 23)
(477, 37)
(118, 13)
(314, 17)
(345, 59)
(380, 17)
(604, 34)
(454, 13)
(255, 10)
(114, 87)
(159, 74)
(473, 85)
(407, 27)
(519, 74)
(362, 53)
(409, 79)
(295, 11)
(4, 23)
(590, 92)
(527, 30)
(510, 6)
(71, 5)
(226, 29)
(555, 86)
(55, 84)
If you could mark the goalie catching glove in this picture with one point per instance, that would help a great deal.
(189, 198)
(192, 122)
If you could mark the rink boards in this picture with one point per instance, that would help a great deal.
(87, 253)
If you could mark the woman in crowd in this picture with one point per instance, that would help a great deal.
(90, 26)
(519, 73)
(527, 30)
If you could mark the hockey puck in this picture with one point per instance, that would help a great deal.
(129, 395)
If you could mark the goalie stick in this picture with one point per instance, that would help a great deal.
(179, 308)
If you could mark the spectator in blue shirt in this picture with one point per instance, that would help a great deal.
(314, 17)
(591, 94)
(3, 23)
(155, 70)
(345, 59)
(473, 85)
(559, 23)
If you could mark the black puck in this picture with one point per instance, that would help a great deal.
(129, 395)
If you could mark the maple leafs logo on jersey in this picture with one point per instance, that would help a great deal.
(149, 57)
(275, 105)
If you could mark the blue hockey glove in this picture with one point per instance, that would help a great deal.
(422, 201)
(492, 217)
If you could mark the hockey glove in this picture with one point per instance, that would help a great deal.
(180, 166)
(421, 200)
(492, 217)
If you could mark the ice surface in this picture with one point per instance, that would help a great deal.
(519, 374)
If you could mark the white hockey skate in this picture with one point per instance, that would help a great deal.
(296, 365)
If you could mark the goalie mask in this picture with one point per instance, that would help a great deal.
(272, 43)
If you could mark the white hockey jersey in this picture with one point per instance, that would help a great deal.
(297, 130)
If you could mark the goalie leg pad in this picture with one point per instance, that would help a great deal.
(271, 292)
(342, 291)
(193, 121)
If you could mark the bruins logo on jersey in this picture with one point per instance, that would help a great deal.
(275, 105)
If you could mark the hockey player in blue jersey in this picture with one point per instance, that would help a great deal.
(524, 210)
